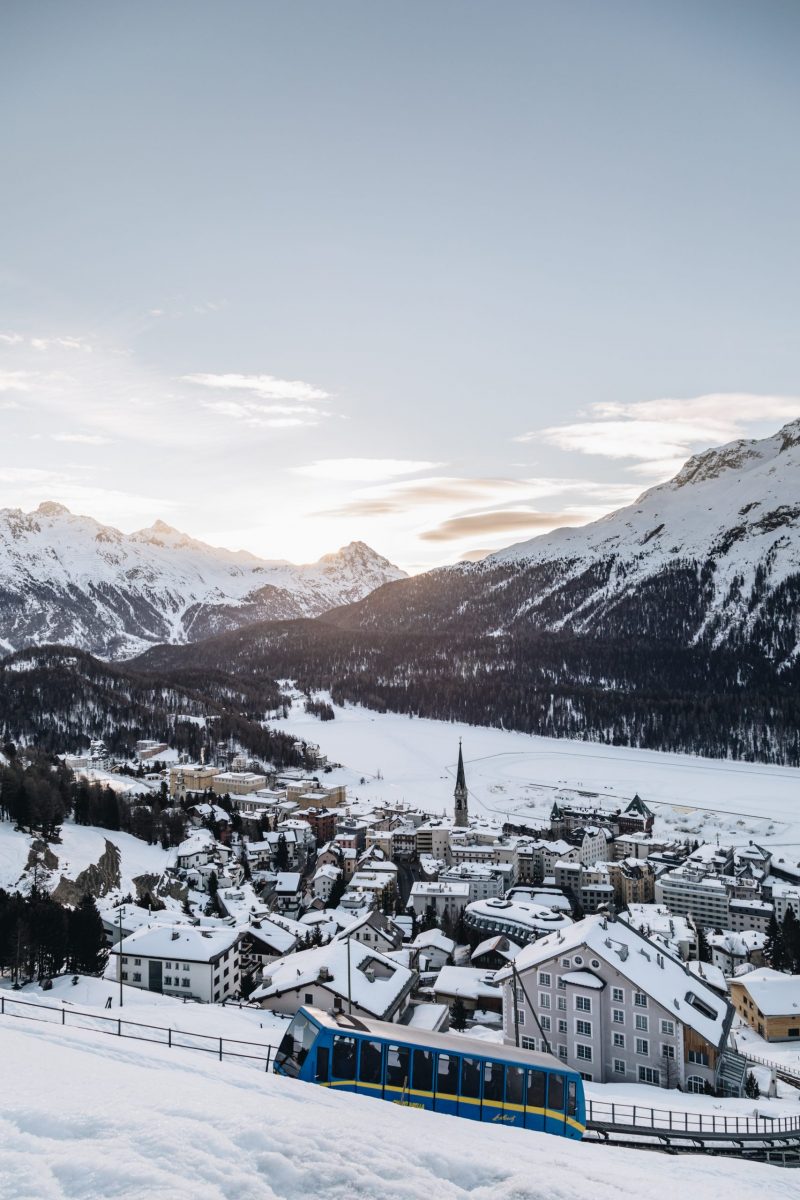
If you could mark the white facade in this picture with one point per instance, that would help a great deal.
(182, 960)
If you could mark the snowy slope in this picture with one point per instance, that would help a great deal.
(89, 1116)
(69, 579)
(736, 507)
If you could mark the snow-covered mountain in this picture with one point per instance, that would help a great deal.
(69, 579)
(733, 513)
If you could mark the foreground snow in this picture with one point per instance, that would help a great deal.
(88, 1117)
(516, 776)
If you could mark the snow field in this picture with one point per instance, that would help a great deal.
(90, 1118)
(80, 847)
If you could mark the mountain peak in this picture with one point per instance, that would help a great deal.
(51, 508)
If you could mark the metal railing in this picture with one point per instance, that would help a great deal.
(602, 1115)
(162, 1035)
(789, 1074)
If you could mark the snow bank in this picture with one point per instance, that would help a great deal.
(88, 1117)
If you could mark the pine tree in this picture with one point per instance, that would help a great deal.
(458, 1014)
(774, 946)
(336, 892)
(281, 854)
(751, 1088)
(87, 950)
(791, 941)
(703, 948)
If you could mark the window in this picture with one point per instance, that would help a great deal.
(619, 1040)
(698, 1057)
(137, 976)
(667, 1051)
(184, 983)
(544, 979)
(641, 1023)
(562, 1003)
(618, 1016)
(583, 1004)
(369, 1067)
(124, 959)
(137, 962)
(695, 1084)
(596, 964)
(515, 1077)
(124, 973)
(528, 1043)
(562, 1052)
(565, 962)
(493, 1073)
(555, 1090)
(562, 986)
(521, 1017)
(447, 1074)
(546, 1023)
(536, 1089)
(397, 1066)
(640, 1000)
(617, 995)
(619, 1066)
(185, 966)
(578, 960)
(583, 1028)
(520, 996)
(544, 1000)
(642, 1046)
(471, 1078)
(650, 1075)
(562, 1026)
(168, 980)
(307, 998)
(584, 1052)
(344, 1057)
(668, 1028)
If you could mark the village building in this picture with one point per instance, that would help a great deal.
(446, 899)
(615, 1007)
(476, 988)
(182, 960)
(517, 919)
(770, 1003)
(344, 976)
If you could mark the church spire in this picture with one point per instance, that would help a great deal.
(461, 813)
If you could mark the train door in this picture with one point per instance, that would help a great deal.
(370, 1068)
(535, 1099)
(422, 1078)
(322, 1067)
(493, 1092)
(343, 1062)
(469, 1098)
(446, 1083)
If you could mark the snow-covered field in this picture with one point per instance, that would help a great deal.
(90, 1117)
(517, 776)
(80, 846)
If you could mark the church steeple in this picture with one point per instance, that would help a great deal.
(461, 814)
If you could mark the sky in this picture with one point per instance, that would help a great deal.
(438, 276)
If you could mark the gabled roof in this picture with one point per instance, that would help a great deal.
(186, 942)
(776, 994)
(638, 808)
(327, 967)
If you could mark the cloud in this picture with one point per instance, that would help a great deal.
(506, 521)
(63, 343)
(662, 434)
(83, 439)
(266, 387)
(11, 339)
(17, 381)
(363, 470)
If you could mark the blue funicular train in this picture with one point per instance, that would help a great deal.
(458, 1075)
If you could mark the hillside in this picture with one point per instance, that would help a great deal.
(68, 579)
(89, 1115)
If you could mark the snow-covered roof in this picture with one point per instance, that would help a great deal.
(499, 944)
(710, 974)
(472, 983)
(775, 994)
(186, 942)
(534, 917)
(435, 938)
(328, 967)
(652, 970)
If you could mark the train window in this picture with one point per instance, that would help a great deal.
(295, 1045)
(493, 1081)
(447, 1074)
(369, 1067)
(397, 1066)
(536, 1084)
(323, 1064)
(344, 1057)
(514, 1081)
(471, 1078)
(555, 1098)
(423, 1071)
(572, 1098)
